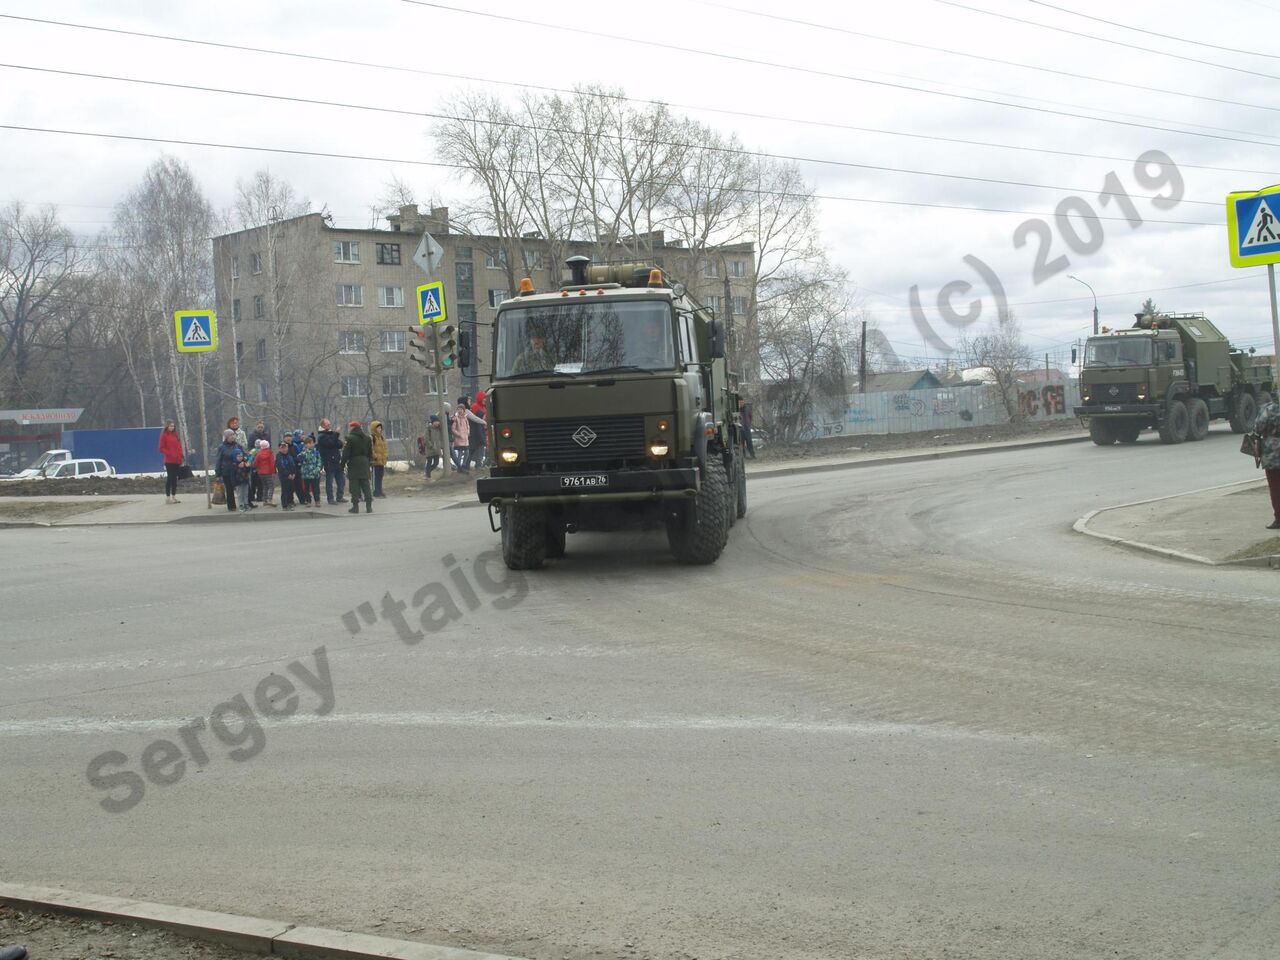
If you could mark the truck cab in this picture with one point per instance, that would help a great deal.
(612, 406)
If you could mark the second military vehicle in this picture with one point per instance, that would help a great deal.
(1175, 373)
(612, 406)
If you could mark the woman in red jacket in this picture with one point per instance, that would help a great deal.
(171, 450)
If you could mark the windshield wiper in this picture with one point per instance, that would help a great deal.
(537, 373)
(624, 368)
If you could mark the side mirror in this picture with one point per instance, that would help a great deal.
(1073, 356)
(715, 330)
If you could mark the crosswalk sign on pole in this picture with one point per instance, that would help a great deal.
(196, 331)
(431, 303)
(1253, 227)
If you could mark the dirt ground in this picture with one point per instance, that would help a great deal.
(53, 937)
(47, 511)
(834, 446)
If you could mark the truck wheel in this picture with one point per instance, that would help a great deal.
(1244, 410)
(524, 537)
(1100, 432)
(555, 536)
(698, 531)
(1176, 423)
(1127, 431)
(742, 489)
(1263, 399)
(1197, 419)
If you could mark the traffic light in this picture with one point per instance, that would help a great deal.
(418, 347)
(448, 346)
(464, 350)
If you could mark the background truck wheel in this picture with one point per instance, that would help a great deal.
(524, 537)
(741, 505)
(698, 531)
(1176, 422)
(1197, 419)
(555, 537)
(1127, 431)
(1244, 410)
(1100, 432)
(1263, 399)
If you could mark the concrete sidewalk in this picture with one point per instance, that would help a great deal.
(1219, 526)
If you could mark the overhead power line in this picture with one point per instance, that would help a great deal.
(832, 75)
(832, 28)
(736, 151)
(746, 114)
(455, 166)
(1153, 33)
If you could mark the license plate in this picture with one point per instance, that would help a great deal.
(1111, 409)
(585, 480)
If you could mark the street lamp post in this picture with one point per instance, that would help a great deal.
(1095, 304)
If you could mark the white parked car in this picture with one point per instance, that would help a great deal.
(46, 459)
(79, 468)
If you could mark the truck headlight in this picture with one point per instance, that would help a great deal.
(659, 448)
(508, 455)
(1142, 391)
(1086, 395)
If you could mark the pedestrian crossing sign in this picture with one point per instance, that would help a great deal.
(1253, 227)
(196, 331)
(431, 303)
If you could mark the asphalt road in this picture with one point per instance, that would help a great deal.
(909, 714)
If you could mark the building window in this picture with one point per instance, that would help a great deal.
(533, 259)
(429, 384)
(235, 309)
(737, 268)
(262, 391)
(462, 253)
(255, 262)
(350, 295)
(396, 386)
(711, 269)
(260, 350)
(493, 262)
(239, 349)
(346, 251)
(355, 387)
(391, 296)
(235, 268)
(391, 341)
(464, 275)
(393, 430)
(350, 341)
(497, 296)
(259, 308)
(389, 254)
(740, 306)
(713, 302)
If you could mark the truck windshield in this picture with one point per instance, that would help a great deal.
(1118, 352)
(584, 336)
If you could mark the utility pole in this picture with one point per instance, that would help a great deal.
(862, 360)
(1275, 319)
(1095, 304)
(204, 435)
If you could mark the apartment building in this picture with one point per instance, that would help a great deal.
(318, 316)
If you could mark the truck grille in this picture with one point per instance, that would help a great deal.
(599, 440)
(1114, 392)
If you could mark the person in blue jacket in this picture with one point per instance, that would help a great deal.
(287, 472)
(329, 443)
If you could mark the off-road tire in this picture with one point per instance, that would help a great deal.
(698, 530)
(1244, 410)
(1263, 399)
(1127, 431)
(1176, 423)
(555, 536)
(524, 537)
(740, 502)
(1197, 419)
(1100, 432)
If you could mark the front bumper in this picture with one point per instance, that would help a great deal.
(1117, 410)
(670, 483)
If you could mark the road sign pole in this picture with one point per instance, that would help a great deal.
(204, 438)
(1275, 321)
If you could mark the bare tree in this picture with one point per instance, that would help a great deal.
(1000, 354)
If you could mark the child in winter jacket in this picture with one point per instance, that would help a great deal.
(310, 467)
(287, 471)
(264, 463)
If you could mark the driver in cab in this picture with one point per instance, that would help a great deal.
(536, 357)
(648, 346)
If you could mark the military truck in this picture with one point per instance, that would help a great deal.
(612, 407)
(1174, 373)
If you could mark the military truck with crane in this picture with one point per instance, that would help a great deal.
(613, 406)
(1174, 373)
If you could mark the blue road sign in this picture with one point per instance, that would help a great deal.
(431, 302)
(196, 331)
(1253, 227)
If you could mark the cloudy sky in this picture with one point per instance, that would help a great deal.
(934, 130)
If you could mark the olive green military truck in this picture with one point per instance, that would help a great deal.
(612, 407)
(1173, 373)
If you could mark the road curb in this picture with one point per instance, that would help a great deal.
(1082, 526)
(764, 472)
(254, 934)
